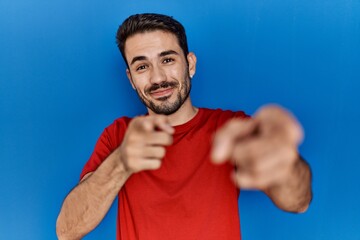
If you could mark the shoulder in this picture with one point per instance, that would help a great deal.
(219, 116)
(224, 114)
(120, 122)
(113, 133)
(118, 125)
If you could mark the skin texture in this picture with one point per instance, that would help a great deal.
(155, 58)
(263, 149)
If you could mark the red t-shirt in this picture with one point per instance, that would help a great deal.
(188, 197)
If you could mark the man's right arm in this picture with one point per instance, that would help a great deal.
(87, 204)
(143, 148)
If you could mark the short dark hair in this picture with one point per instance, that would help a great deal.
(148, 22)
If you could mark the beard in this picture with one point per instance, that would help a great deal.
(166, 107)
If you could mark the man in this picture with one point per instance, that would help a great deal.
(178, 170)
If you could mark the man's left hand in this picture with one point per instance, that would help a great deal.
(263, 148)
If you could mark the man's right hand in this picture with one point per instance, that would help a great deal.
(143, 148)
(144, 143)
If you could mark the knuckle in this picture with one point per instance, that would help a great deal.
(156, 164)
(289, 154)
(125, 152)
(256, 168)
(168, 139)
(161, 118)
(233, 123)
(239, 151)
(132, 138)
(163, 138)
(146, 124)
(129, 164)
(147, 137)
(136, 121)
(161, 152)
(152, 164)
(135, 165)
(157, 152)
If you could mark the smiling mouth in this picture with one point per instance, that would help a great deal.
(162, 93)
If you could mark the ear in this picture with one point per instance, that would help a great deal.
(192, 63)
(128, 74)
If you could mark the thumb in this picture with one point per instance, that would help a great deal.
(226, 138)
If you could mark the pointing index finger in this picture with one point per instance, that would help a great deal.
(162, 123)
(226, 138)
(153, 123)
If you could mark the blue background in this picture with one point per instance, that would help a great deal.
(62, 80)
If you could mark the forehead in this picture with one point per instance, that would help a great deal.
(150, 43)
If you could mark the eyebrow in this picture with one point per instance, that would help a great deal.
(138, 58)
(169, 52)
(162, 54)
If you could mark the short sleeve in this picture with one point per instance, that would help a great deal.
(222, 116)
(241, 114)
(108, 141)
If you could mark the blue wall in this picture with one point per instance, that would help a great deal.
(62, 80)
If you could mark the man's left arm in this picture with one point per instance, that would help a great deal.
(294, 194)
(264, 152)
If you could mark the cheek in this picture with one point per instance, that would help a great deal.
(175, 72)
(178, 75)
(140, 83)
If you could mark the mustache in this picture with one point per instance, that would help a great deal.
(164, 84)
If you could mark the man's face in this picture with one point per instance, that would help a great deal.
(158, 70)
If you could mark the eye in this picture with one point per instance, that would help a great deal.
(168, 60)
(141, 67)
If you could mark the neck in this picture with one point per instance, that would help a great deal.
(184, 114)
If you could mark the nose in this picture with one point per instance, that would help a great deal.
(157, 75)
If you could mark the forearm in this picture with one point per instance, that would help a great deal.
(87, 203)
(294, 194)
